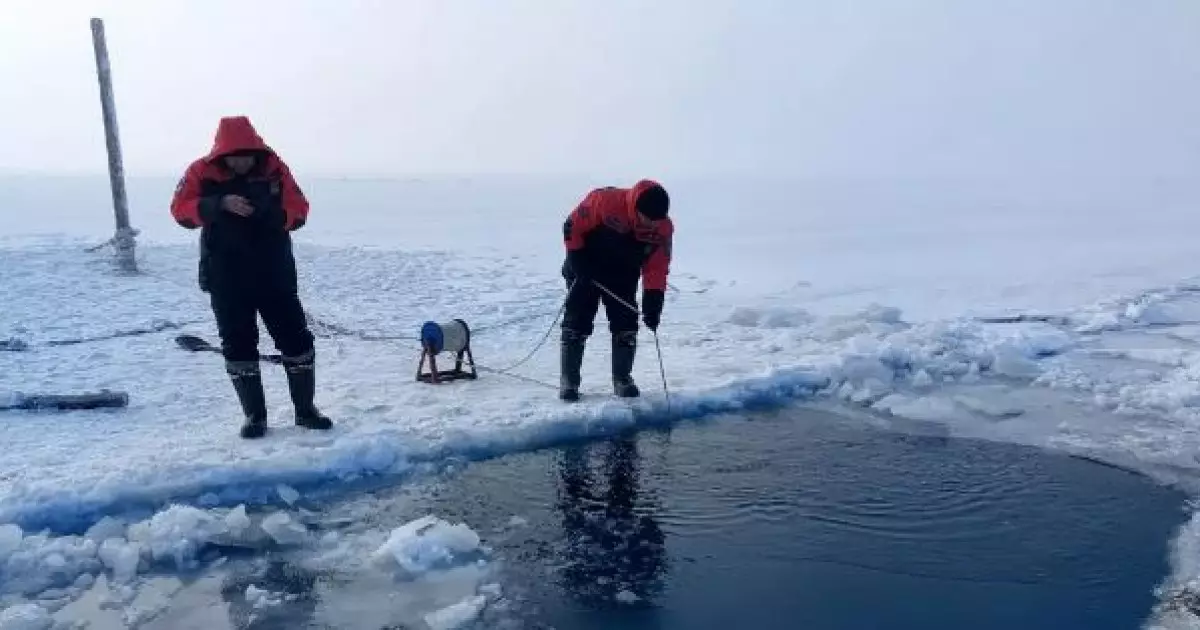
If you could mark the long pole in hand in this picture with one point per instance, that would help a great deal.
(658, 347)
(662, 371)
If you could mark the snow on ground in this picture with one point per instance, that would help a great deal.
(1113, 373)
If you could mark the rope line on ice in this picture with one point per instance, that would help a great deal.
(433, 343)
(15, 344)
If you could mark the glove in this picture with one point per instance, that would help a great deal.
(579, 268)
(652, 306)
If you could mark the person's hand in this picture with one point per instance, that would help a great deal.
(579, 268)
(237, 205)
(652, 306)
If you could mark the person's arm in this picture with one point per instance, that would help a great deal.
(295, 204)
(188, 207)
(582, 220)
(654, 277)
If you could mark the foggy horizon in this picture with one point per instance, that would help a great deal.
(960, 90)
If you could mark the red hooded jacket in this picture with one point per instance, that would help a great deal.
(234, 134)
(612, 211)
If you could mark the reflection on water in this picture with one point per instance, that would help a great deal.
(615, 549)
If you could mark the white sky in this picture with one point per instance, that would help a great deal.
(822, 88)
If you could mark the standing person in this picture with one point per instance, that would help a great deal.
(613, 237)
(245, 202)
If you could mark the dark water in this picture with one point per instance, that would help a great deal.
(801, 520)
(789, 520)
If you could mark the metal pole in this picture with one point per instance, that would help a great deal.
(123, 240)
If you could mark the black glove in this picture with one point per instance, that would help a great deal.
(580, 272)
(652, 306)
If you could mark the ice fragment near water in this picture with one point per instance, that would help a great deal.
(25, 617)
(105, 528)
(626, 597)
(237, 521)
(120, 557)
(284, 530)
(10, 540)
(456, 615)
(426, 544)
(260, 598)
(287, 493)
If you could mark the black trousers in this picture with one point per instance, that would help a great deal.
(584, 302)
(237, 309)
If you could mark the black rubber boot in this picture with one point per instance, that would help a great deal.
(247, 382)
(570, 363)
(624, 348)
(302, 385)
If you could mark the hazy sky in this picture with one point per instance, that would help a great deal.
(829, 87)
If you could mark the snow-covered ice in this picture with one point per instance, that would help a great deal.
(842, 302)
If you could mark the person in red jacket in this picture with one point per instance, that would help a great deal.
(245, 202)
(614, 237)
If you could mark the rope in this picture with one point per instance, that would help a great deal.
(618, 298)
(519, 377)
(153, 328)
(545, 336)
(331, 329)
(337, 330)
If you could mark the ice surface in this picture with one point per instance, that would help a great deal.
(456, 615)
(25, 617)
(856, 317)
(389, 424)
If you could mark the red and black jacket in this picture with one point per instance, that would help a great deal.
(604, 234)
(250, 252)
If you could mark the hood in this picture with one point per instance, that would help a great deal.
(236, 133)
(637, 191)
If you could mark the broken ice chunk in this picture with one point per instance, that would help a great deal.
(425, 544)
(287, 493)
(456, 615)
(284, 530)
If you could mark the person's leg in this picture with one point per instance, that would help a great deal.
(237, 325)
(577, 325)
(283, 315)
(623, 324)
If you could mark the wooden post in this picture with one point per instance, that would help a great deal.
(123, 240)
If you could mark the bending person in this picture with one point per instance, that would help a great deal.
(613, 237)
